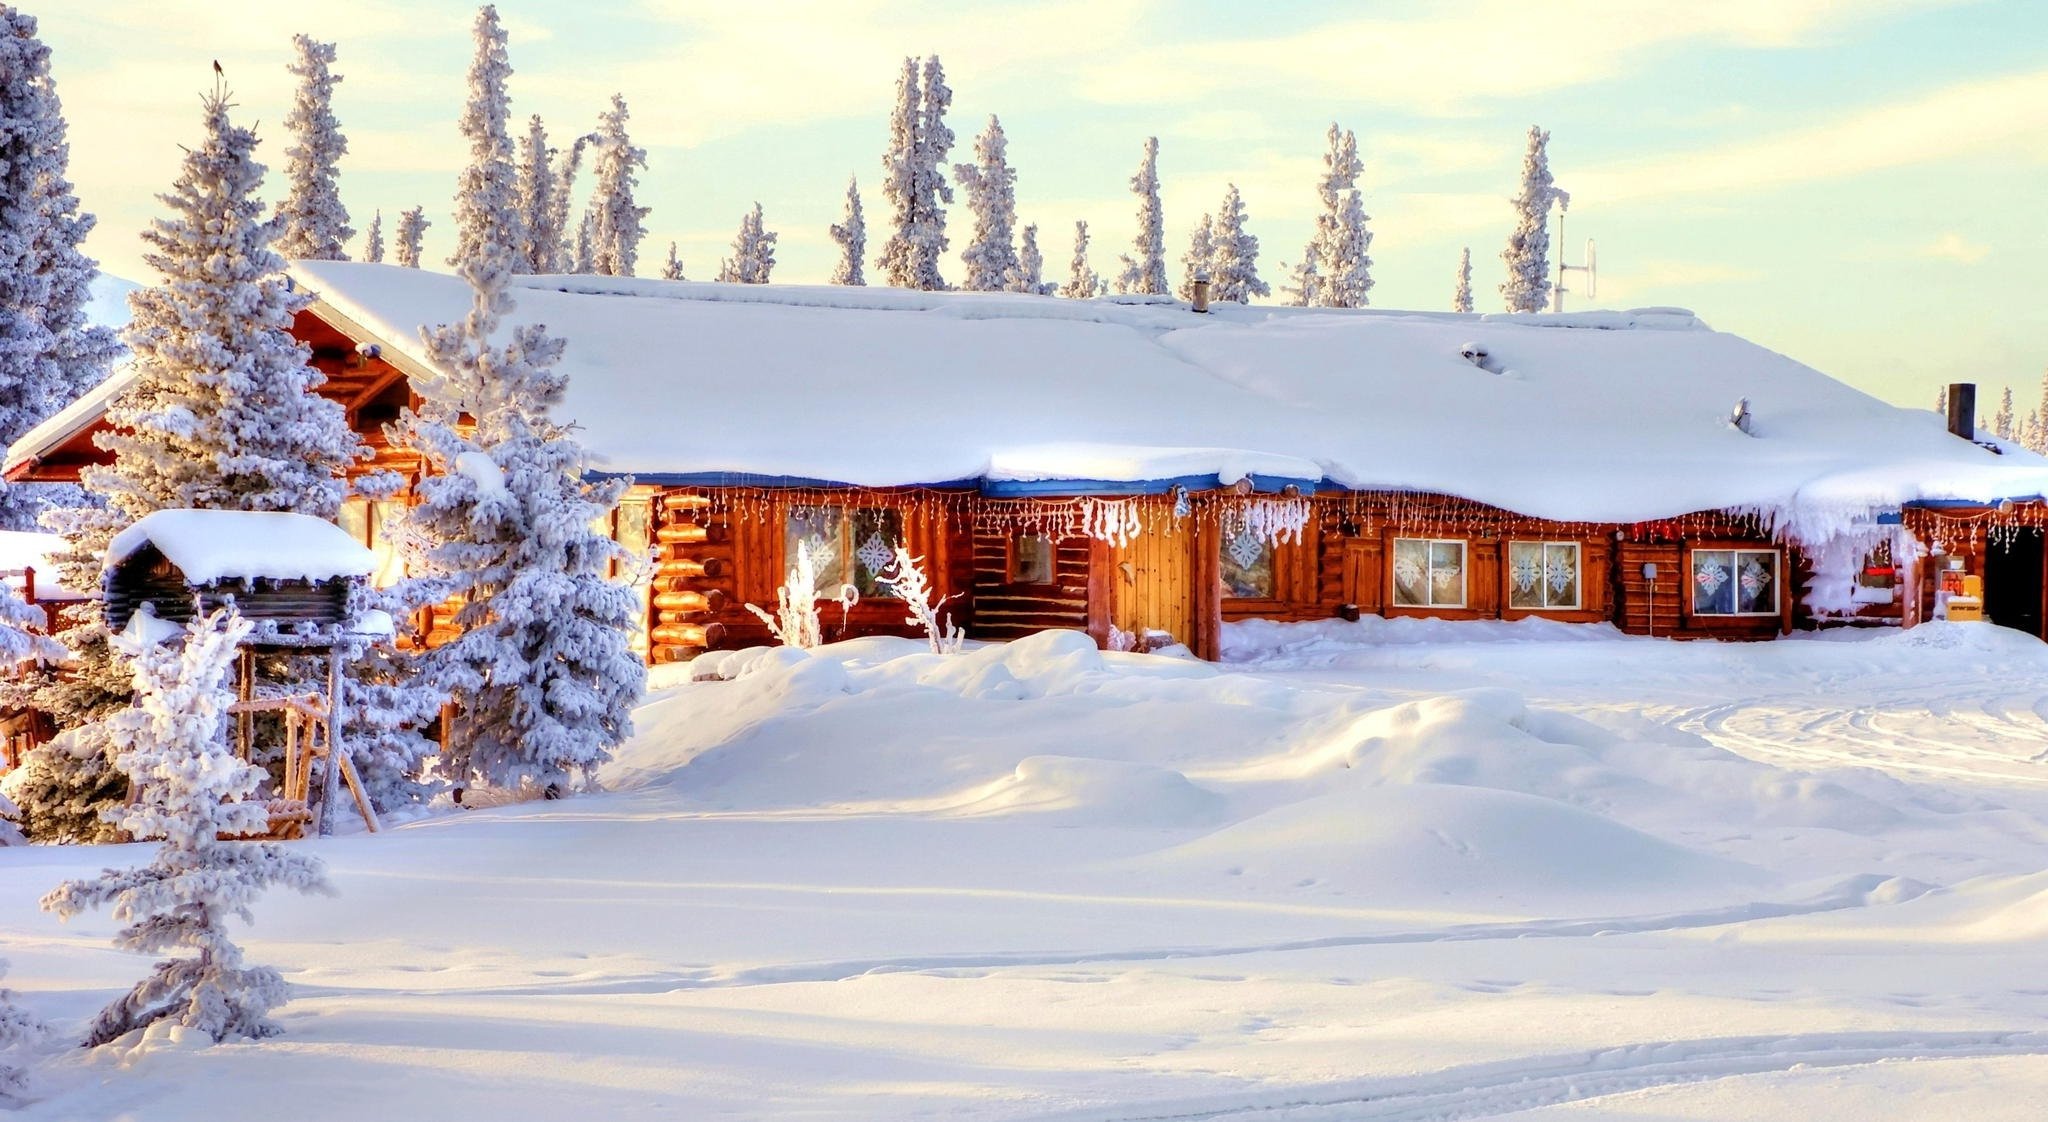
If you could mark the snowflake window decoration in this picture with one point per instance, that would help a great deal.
(1246, 548)
(1754, 579)
(1407, 571)
(1560, 572)
(1526, 571)
(1710, 577)
(875, 553)
(1447, 577)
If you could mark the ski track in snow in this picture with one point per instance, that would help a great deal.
(1489, 1090)
(1991, 740)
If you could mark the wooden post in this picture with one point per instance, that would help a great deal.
(330, 783)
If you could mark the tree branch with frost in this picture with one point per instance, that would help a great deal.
(795, 622)
(910, 586)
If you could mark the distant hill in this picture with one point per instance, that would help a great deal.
(109, 303)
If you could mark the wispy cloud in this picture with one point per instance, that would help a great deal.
(1951, 246)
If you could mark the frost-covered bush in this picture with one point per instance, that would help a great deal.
(21, 1032)
(191, 793)
(910, 586)
(795, 622)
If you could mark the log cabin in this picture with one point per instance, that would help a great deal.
(1148, 473)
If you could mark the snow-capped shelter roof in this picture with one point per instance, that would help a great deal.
(21, 550)
(215, 545)
(1593, 416)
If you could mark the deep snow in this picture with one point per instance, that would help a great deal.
(1380, 870)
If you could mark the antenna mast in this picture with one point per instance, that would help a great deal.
(1590, 268)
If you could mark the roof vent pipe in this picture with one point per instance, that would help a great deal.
(1200, 303)
(1962, 410)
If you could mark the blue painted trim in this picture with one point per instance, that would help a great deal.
(993, 488)
(1968, 504)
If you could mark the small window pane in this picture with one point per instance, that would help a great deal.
(1560, 575)
(1031, 560)
(1525, 575)
(1248, 566)
(387, 517)
(1411, 573)
(1756, 583)
(1447, 573)
(875, 536)
(1713, 582)
(822, 530)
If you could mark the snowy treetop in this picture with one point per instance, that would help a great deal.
(215, 545)
(1595, 415)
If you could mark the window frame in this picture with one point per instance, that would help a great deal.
(1013, 550)
(1777, 605)
(1429, 574)
(1578, 603)
(1276, 592)
(849, 563)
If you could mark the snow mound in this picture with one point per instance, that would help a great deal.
(1072, 791)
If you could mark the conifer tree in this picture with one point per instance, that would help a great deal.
(582, 257)
(562, 238)
(1199, 262)
(1030, 274)
(373, 248)
(1528, 252)
(1146, 271)
(1941, 400)
(916, 181)
(315, 224)
(486, 194)
(2002, 421)
(2030, 433)
(991, 186)
(542, 671)
(21, 1034)
(1082, 281)
(1335, 269)
(753, 252)
(850, 233)
(536, 195)
(1234, 274)
(191, 792)
(672, 269)
(1461, 300)
(616, 227)
(412, 227)
(49, 352)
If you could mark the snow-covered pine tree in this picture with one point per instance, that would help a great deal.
(617, 229)
(672, 269)
(559, 233)
(1030, 274)
(1199, 262)
(1528, 252)
(991, 186)
(49, 352)
(315, 224)
(21, 1034)
(753, 252)
(486, 194)
(1941, 400)
(191, 791)
(916, 180)
(536, 195)
(542, 670)
(1082, 281)
(412, 228)
(373, 247)
(582, 255)
(1235, 273)
(2030, 432)
(2041, 439)
(2002, 421)
(1150, 242)
(1336, 268)
(850, 233)
(222, 414)
(1461, 299)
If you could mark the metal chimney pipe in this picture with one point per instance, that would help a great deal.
(1962, 410)
(1201, 300)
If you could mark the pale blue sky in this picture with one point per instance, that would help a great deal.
(1857, 183)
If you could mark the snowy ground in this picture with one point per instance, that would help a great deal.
(1380, 871)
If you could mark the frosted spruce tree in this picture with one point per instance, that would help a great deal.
(542, 671)
(535, 192)
(1082, 281)
(915, 180)
(753, 252)
(412, 229)
(222, 414)
(485, 194)
(373, 242)
(22, 1033)
(49, 352)
(314, 223)
(191, 790)
(1528, 252)
(582, 259)
(1335, 269)
(616, 227)
(2002, 421)
(991, 186)
(2041, 440)
(1199, 261)
(560, 234)
(672, 269)
(1030, 274)
(1234, 271)
(850, 234)
(1146, 271)
(1461, 300)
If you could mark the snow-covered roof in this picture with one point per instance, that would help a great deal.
(27, 549)
(214, 545)
(71, 420)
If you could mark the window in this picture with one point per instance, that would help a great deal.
(1543, 576)
(1031, 559)
(1429, 573)
(848, 547)
(1248, 566)
(375, 525)
(1735, 582)
(1877, 579)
